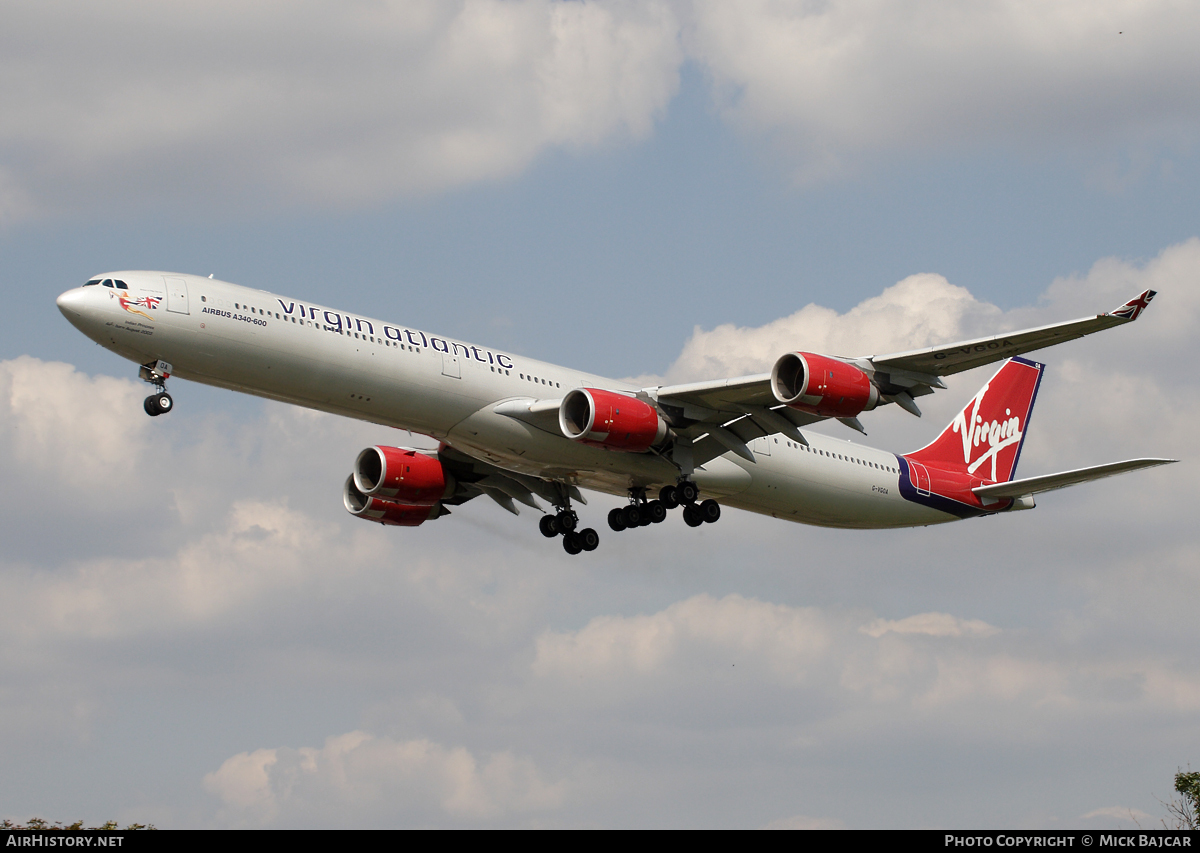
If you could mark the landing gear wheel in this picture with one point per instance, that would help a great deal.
(632, 516)
(686, 492)
(588, 538)
(710, 510)
(566, 522)
(158, 404)
(572, 544)
(549, 526)
(668, 498)
(656, 512)
(616, 519)
(691, 515)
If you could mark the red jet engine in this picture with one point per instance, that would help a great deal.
(610, 420)
(387, 512)
(401, 476)
(823, 386)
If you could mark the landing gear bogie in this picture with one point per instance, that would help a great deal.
(564, 522)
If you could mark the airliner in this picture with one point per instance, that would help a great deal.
(519, 430)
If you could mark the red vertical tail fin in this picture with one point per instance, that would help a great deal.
(985, 439)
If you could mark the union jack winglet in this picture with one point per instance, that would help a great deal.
(1131, 309)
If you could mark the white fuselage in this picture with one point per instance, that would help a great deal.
(284, 349)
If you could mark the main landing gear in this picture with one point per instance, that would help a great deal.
(564, 523)
(641, 512)
(160, 402)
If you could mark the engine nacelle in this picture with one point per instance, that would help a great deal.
(821, 385)
(387, 512)
(401, 476)
(610, 420)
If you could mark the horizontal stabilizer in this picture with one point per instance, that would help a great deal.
(1048, 482)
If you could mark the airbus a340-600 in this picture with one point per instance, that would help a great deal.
(517, 430)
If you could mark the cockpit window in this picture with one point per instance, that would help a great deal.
(90, 283)
(121, 285)
(108, 282)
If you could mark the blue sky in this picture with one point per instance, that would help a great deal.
(205, 638)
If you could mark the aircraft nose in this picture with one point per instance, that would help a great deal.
(71, 302)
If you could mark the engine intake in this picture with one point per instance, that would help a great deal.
(387, 512)
(401, 476)
(823, 386)
(610, 420)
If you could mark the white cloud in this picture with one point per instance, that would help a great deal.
(931, 624)
(925, 309)
(838, 82)
(783, 638)
(357, 774)
(319, 104)
(263, 550)
(922, 310)
(1123, 813)
(41, 425)
(930, 661)
(132, 105)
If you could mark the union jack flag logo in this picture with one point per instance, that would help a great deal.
(132, 305)
(1131, 309)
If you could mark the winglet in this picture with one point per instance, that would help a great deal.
(1134, 307)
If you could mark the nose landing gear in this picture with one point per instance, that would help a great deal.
(157, 373)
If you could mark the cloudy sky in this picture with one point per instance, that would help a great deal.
(196, 634)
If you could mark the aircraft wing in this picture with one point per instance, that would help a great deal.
(965, 355)
(1049, 482)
